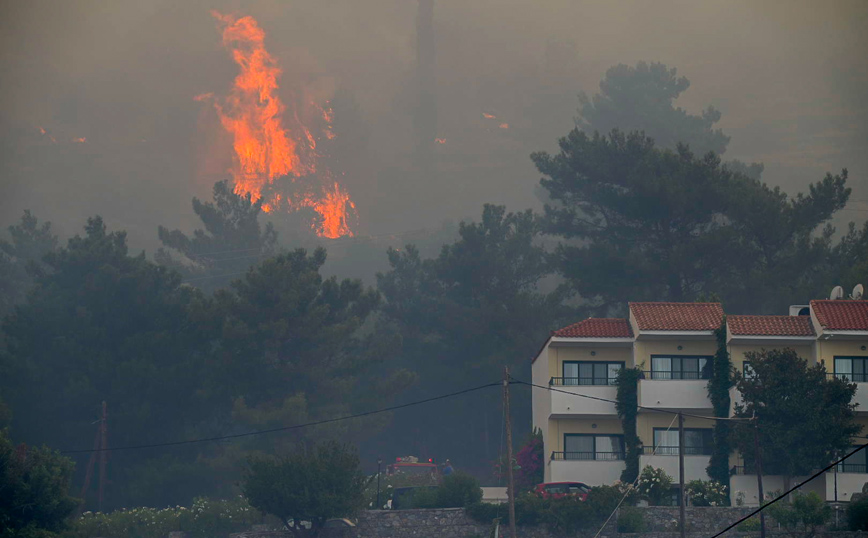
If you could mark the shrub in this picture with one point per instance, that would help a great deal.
(603, 500)
(205, 519)
(805, 514)
(630, 520)
(857, 515)
(457, 490)
(749, 525)
(654, 485)
(567, 515)
(707, 493)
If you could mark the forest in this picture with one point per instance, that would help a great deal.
(230, 330)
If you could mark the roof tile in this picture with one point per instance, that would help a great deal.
(770, 325)
(677, 316)
(841, 315)
(597, 328)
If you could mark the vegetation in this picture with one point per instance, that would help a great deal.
(718, 392)
(630, 520)
(707, 493)
(655, 486)
(627, 406)
(34, 486)
(857, 514)
(455, 491)
(804, 516)
(640, 223)
(308, 486)
(206, 518)
(805, 417)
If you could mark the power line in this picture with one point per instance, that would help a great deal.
(286, 428)
(733, 419)
(792, 489)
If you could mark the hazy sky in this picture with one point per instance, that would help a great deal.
(790, 78)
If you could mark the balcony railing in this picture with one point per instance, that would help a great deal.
(581, 381)
(852, 378)
(669, 376)
(673, 450)
(842, 468)
(588, 456)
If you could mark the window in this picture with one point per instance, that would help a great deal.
(593, 447)
(682, 367)
(747, 370)
(857, 463)
(696, 441)
(852, 368)
(591, 373)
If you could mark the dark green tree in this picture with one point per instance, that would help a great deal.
(718, 392)
(307, 486)
(850, 258)
(805, 418)
(98, 325)
(641, 223)
(232, 240)
(28, 243)
(34, 486)
(641, 99)
(627, 407)
(462, 316)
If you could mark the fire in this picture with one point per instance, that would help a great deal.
(504, 126)
(440, 140)
(80, 140)
(264, 148)
(488, 116)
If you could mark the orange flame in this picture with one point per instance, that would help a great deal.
(440, 140)
(80, 140)
(265, 149)
(504, 126)
(488, 116)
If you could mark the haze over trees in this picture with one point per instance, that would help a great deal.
(231, 332)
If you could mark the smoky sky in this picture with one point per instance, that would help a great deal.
(789, 77)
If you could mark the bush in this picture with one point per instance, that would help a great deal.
(457, 490)
(655, 485)
(205, 519)
(805, 514)
(857, 515)
(749, 525)
(603, 500)
(707, 493)
(630, 520)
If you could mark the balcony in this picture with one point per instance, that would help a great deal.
(666, 457)
(684, 391)
(565, 403)
(594, 469)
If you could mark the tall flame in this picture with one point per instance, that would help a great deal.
(265, 149)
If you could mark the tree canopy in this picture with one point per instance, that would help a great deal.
(641, 98)
(307, 486)
(643, 223)
(805, 418)
(28, 243)
(232, 240)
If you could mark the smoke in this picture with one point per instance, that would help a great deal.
(113, 86)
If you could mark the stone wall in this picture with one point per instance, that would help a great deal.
(660, 522)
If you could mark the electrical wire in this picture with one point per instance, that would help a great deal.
(287, 428)
(792, 489)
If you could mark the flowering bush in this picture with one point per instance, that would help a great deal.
(654, 485)
(205, 519)
(707, 493)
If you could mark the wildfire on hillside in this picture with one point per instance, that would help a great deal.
(265, 148)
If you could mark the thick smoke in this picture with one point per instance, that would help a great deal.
(789, 78)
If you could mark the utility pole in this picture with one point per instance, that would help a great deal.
(510, 489)
(682, 523)
(103, 454)
(759, 474)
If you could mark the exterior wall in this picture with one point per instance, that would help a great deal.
(593, 473)
(565, 405)
(541, 399)
(746, 484)
(844, 485)
(675, 394)
(647, 422)
(558, 427)
(828, 349)
(643, 349)
(694, 466)
(559, 354)
(737, 352)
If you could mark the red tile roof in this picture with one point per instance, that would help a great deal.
(677, 316)
(597, 328)
(841, 315)
(770, 325)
